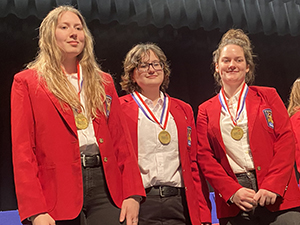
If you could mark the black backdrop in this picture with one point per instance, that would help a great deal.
(189, 52)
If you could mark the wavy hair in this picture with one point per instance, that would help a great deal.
(134, 57)
(48, 65)
(294, 100)
(236, 37)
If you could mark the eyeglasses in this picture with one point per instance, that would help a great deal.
(144, 67)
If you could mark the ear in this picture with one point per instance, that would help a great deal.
(247, 69)
(217, 67)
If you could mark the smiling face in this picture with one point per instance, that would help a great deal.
(232, 66)
(69, 34)
(150, 78)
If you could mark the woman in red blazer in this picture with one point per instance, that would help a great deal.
(245, 143)
(164, 138)
(71, 151)
(294, 113)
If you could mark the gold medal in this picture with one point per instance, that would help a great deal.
(81, 121)
(164, 137)
(237, 133)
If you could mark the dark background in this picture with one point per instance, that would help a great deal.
(189, 52)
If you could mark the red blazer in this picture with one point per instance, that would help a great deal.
(184, 118)
(273, 151)
(46, 156)
(295, 120)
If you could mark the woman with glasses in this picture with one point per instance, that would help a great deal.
(246, 147)
(164, 138)
(71, 151)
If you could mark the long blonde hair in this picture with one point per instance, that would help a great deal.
(48, 65)
(294, 100)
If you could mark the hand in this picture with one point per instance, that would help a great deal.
(130, 210)
(42, 219)
(265, 197)
(205, 223)
(244, 199)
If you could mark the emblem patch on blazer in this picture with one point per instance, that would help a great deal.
(108, 103)
(189, 136)
(269, 118)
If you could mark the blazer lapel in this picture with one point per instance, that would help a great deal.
(252, 105)
(214, 114)
(176, 112)
(132, 111)
(66, 114)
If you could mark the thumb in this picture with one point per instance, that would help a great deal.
(122, 214)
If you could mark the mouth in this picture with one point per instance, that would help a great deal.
(73, 43)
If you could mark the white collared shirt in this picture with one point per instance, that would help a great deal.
(238, 152)
(159, 164)
(87, 140)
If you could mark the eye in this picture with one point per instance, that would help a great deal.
(79, 28)
(143, 65)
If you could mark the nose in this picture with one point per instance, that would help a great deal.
(231, 65)
(151, 67)
(73, 33)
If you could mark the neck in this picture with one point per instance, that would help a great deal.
(230, 90)
(70, 66)
(153, 95)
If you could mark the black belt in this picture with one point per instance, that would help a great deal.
(246, 174)
(91, 161)
(164, 191)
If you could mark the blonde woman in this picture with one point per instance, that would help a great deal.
(71, 152)
(246, 147)
(294, 113)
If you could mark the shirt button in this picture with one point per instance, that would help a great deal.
(258, 168)
(220, 195)
(101, 140)
(105, 159)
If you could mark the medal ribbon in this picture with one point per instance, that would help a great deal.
(240, 106)
(79, 71)
(149, 114)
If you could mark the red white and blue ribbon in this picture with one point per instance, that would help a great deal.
(149, 114)
(241, 103)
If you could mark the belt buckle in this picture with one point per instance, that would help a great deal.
(161, 194)
(98, 160)
(83, 160)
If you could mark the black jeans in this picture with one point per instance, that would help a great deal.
(171, 210)
(261, 215)
(98, 207)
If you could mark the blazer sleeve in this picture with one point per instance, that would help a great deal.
(29, 192)
(127, 162)
(210, 164)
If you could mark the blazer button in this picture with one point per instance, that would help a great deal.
(258, 168)
(101, 140)
(105, 159)
(220, 195)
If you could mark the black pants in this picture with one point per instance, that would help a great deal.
(98, 207)
(261, 215)
(158, 210)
